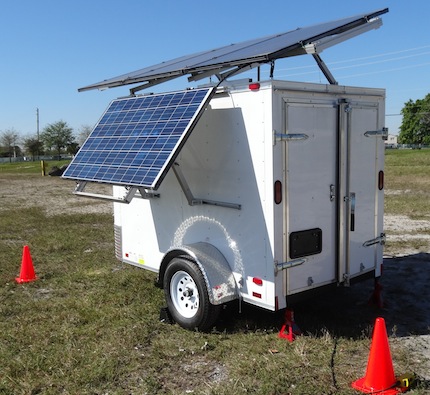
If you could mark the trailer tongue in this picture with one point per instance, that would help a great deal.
(259, 191)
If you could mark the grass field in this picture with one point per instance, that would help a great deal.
(90, 325)
(30, 167)
(408, 176)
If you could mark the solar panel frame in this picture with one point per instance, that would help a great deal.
(137, 139)
(260, 50)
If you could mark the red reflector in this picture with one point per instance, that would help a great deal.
(278, 192)
(126, 254)
(255, 86)
(257, 281)
(381, 180)
(256, 295)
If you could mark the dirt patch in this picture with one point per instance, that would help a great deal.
(178, 378)
(406, 236)
(53, 194)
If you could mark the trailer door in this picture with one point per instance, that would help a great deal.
(358, 206)
(331, 206)
(310, 206)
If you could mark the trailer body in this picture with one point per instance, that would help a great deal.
(289, 185)
(259, 191)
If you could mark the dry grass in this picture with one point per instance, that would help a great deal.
(89, 325)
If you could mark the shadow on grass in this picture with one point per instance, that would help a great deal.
(346, 312)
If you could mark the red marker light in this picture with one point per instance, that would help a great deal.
(257, 281)
(255, 86)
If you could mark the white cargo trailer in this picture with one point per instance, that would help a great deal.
(257, 191)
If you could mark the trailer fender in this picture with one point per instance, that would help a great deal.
(216, 271)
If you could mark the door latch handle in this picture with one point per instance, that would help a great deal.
(352, 210)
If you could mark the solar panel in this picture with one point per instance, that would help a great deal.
(236, 57)
(137, 139)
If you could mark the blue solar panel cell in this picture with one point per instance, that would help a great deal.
(137, 139)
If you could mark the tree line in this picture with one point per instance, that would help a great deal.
(55, 139)
(415, 127)
(58, 138)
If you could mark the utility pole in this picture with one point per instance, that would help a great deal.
(37, 129)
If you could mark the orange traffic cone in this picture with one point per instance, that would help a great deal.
(379, 376)
(27, 270)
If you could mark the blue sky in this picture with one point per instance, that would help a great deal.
(50, 48)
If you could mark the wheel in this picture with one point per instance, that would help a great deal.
(187, 296)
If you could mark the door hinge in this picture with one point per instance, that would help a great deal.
(290, 136)
(378, 133)
(377, 240)
(346, 280)
(286, 265)
(332, 192)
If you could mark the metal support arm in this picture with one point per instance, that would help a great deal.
(130, 193)
(323, 67)
(192, 201)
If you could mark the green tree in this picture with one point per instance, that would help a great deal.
(73, 148)
(8, 140)
(84, 132)
(415, 127)
(33, 146)
(57, 136)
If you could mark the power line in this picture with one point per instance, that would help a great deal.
(391, 59)
(381, 55)
(360, 74)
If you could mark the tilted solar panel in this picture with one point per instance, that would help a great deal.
(233, 57)
(137, 139)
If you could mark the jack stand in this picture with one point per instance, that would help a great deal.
(376, 297)
(290, 329)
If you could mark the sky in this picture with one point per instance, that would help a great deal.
(50, 48)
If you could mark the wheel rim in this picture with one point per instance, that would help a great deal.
(184, 294)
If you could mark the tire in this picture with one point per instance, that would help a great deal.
(187, 295)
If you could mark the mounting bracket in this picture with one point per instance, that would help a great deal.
(192, 201)
(130, 193)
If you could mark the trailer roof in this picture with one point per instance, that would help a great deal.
(232, 59)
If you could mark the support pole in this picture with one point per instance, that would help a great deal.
(323, 67)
